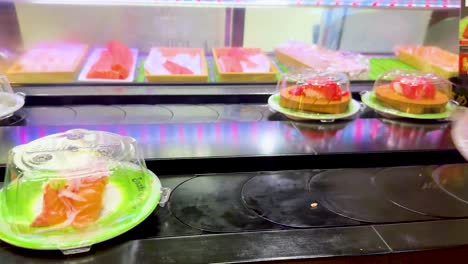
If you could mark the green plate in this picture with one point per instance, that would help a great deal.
(371, 101)
(134, 196)
(273, 102)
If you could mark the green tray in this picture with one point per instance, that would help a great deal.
(353, 108)
(380, 65)
(370, 100)
(130, 183)
(140, 77)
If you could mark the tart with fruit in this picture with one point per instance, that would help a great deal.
(413, 94)
(320, 95)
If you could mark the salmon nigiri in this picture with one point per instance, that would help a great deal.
(78, 203)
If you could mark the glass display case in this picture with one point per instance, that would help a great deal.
(82, 41)
(315, 126)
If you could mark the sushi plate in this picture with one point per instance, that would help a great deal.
(370, 100)
(353, 108)
(460, 132)
(10, 103)
(95, 56)
(117, 216)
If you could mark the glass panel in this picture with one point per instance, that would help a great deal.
(51, 41)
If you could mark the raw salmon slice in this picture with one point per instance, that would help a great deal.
(101, 69)
(115, 62)
(54, 211)
(122, 59)
(231, 64)
(241, 55)
(175, 68)
(235, 59)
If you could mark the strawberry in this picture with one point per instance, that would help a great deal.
(320, 87)
(328, 88)
(297, 91)
(429, 90)
(414, 87)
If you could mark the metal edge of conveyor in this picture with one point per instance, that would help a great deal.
(191, 148)
(297, 162)
(59, 94)
(444, 239)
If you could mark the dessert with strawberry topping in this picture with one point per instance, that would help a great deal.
(319, 94)
(414, 94)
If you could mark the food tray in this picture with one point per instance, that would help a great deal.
(169, 52)
(15, 75)
(95, 56)
(244, 77)
(426, 62)
(381, 65)
(298, 56)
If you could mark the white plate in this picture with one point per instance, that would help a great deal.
(460, 132)
(95, 57)
(10, 103)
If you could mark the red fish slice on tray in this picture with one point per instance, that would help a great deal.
(232, 60)
(175, 68)
(114, 62)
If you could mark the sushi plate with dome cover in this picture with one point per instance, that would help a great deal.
(71, 190)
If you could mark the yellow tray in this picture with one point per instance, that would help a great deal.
(16, 75)
(242, 76)
(420, 58)
(290, 61)
(169, 52)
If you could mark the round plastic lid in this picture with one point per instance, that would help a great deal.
(313, 95)
(310, 91)
(77, 152)
(9, 101)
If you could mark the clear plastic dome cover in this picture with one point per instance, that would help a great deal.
(75, 189)
(9, 101)
(313, 92)
(413, 92)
